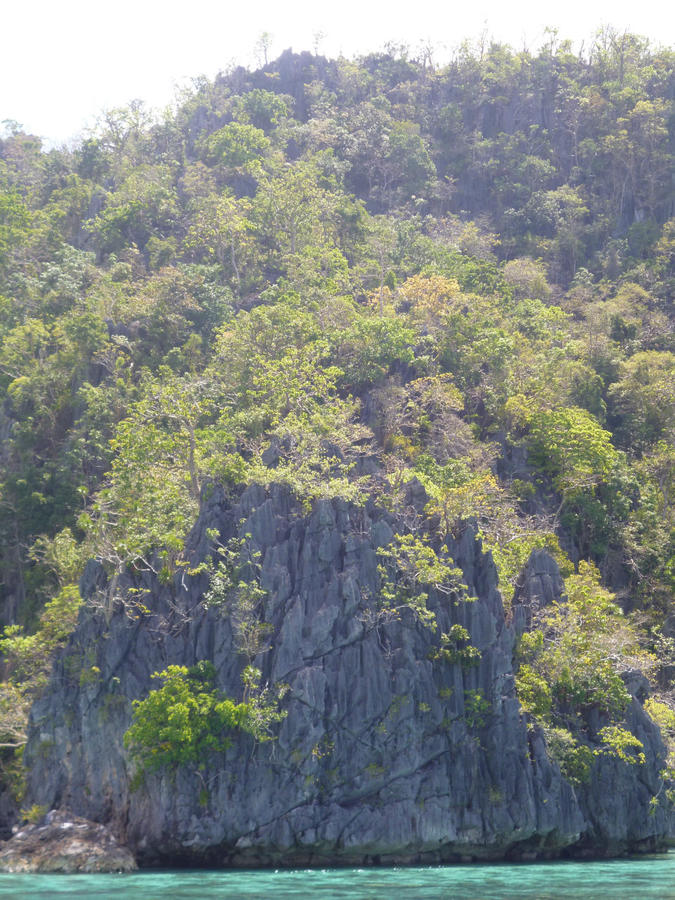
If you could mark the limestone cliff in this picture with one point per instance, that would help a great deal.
(385, 754)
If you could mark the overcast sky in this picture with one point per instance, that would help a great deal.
(63, 61)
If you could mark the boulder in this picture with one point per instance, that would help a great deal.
(64, 843)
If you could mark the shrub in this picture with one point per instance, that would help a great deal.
(575, 759)
(571, 665)
(409, 567)
(455, 648)
(188, 718)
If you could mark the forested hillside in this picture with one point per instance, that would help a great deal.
(352, 278)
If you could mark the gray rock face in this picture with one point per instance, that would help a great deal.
(386, 754)
(540, 583)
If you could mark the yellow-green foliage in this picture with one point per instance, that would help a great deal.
(28, 656)
(575, 759)
(623, 744)
(464, 489)
(476, 709)
(234, 589)
(570, 664)
(664, 716)
(534, 692)
(572, 448)
(409, 568)
(244, 316)
(512, 554)
(28, 659)
(573, 648)
(33, 814)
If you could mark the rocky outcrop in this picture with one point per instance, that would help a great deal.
(539, 584)
(67, 844)
(387, 754)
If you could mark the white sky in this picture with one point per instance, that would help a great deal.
(61, 63)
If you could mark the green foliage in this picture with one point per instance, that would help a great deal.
(580, 635)
(187, 719)
(511, 556)
(162, 452)
(574, 758)
(220, 231)
(642, 400)
(183, 721)
(459, 491)
(451, 284)
(648, 531)
(236, 145)
(664, 716)
(622, 744)
(534, 692)
(143, 205)
(294, 209)
(368, 347)
(28, 656)
(261, 108)
(569, 445)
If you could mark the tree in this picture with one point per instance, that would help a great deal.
(15, 220)
(430, 299)
(235, 590)
(143, 205)
(527, 277)
(648, 534)
(642, 402)
(381, 243)
(262, 109)
(292, 209)
(407, 167)
(570, 668)
(220, 227)
(639, 158)
(28, 662)
(237, 147)
(569, 445)
(408, 570)
(162, 450)
(263, 45)
(560, 215)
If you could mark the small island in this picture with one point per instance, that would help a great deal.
(338, 415)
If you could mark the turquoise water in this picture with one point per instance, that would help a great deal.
(650, 878)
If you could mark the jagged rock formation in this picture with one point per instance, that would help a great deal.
(385, 755)
(540, 583)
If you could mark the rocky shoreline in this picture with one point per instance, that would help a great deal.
(64, 844)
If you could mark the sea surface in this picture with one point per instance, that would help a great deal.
(646, 878)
